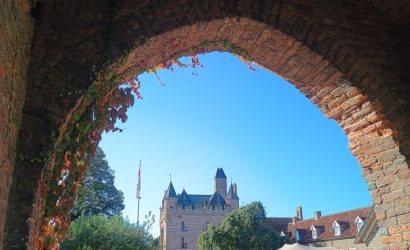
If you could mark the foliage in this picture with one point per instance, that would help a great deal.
(97, 194)
(98, 110)
(244, 228)
(100, 232)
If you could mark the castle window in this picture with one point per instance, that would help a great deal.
(213, 207)
(183, 227)
(183, 243)
(183, 206)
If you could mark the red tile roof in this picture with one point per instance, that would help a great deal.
(346, 220)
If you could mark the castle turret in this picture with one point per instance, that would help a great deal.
(220, 182)
(168, 204)
(170, 192)
(232, 197)
(170, 197)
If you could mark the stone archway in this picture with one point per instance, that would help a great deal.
(343, 56)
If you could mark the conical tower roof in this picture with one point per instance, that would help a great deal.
(170, 193)
(231, 193)
(220, 173)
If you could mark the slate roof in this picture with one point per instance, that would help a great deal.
(184, 199)
(232, 194)
(199, 200)
(216, 199)
(170, 192)
(220, 173)
(345, 219)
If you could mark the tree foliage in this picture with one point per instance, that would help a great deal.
(98, 194)
(244, 228)
(104, 233)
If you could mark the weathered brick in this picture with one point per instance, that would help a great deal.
(342, 55)
(406, 236)
(403, 219)
(381, 215)
(393, 195)
(391, 238)
(381, 182)
(398, 229)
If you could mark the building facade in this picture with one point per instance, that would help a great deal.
(183, 217)
(349, 230)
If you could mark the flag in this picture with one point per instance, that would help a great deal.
(139, 182)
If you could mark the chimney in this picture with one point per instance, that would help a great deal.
(317, 215)
(299, 213)
(294, 220)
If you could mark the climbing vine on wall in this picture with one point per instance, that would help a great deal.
(104, 103)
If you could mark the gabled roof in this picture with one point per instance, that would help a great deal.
(220, 173)
(369, 225)
(170, 192)
(217, 199)
(358, 218)
(184, 199)
(345, 219)
(231, 193)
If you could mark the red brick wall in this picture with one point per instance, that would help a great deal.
(343, 55)
(15, 39)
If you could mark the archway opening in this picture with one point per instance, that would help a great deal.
(257, 125)
(320, 68)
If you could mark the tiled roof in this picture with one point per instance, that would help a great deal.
(220, 173)
(345, 219)
(278, 224)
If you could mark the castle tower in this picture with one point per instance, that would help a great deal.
(220, 182)
(232, 197)
(169, 203)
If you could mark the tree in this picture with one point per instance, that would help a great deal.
(107, 233)
(97, 194)
(244, 228)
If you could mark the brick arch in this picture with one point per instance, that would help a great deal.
(341, 56)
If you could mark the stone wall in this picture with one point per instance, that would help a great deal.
(194, 221)
(15, 38)
(342, 244)
(373, 242)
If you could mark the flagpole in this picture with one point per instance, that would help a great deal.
(138, 194)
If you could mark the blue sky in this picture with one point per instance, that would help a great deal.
(274, 143)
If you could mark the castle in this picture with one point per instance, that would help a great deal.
(184, 217)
